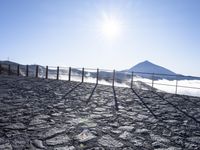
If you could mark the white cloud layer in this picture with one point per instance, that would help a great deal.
(185, 87)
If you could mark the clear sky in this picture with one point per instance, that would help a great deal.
(102, 33)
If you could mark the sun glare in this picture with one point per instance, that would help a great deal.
(110, 28)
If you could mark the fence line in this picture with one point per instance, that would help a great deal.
(100, 74)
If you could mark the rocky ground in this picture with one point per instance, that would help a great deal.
(60, 115)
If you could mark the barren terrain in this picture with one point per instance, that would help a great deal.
(61, 115)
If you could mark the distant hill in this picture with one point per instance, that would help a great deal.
(22, 68)
(4, 67)
(6, 62)
(143, 69)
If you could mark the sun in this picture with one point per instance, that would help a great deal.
(111, 28)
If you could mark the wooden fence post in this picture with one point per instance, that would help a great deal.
(0, 68)
(47, 70)
(69, 78)
(97, 76)
(36, 72)
(152, 80)
(83, 74)
(132, 80)
(27, 70)
(57, 73)
(176, 85)
(9, 71)
(18, 70)
(113, 82)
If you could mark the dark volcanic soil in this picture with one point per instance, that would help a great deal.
(60, 115)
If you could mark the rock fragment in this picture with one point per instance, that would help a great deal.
(65, 148)
(6, 146)
(126, 135)
(195, 139)
(85, 135)
(52, 132)
(110, 142)
(60, 139)
(126, 128)
(16, 126)
(38, 144)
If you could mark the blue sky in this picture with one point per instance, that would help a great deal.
(68, 33)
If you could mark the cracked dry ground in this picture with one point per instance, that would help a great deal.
(60, 115)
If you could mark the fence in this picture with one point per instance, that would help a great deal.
(177, 84)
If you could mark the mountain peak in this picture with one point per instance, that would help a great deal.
(149, 67)
(146, 62)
